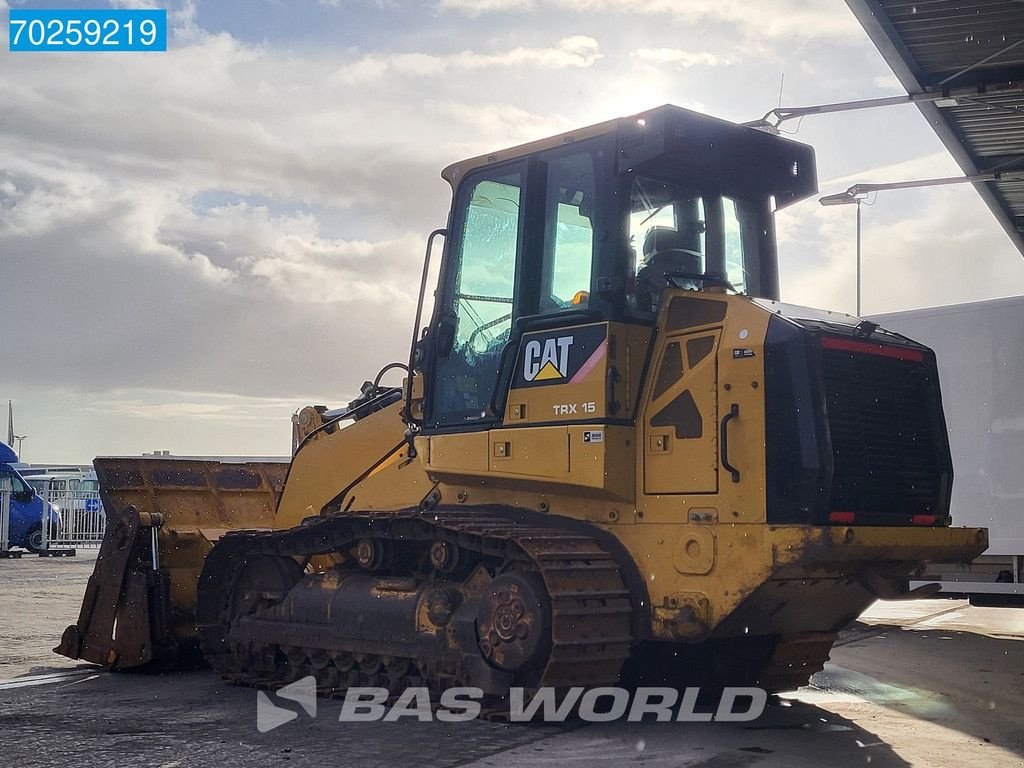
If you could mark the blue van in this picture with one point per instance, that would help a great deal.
(26, 520)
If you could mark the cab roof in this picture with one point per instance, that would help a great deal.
(7, 454)
(690, 142)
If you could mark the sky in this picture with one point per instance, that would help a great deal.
(194, 244)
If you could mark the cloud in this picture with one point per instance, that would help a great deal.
(137, 4)
(918, 245)
(58, 420)
(287, 255)
(390, 4)
(918, 261)
(479, 7)
(923, 167)
(512, 124)
(159, 405)
(576, 51)
(154, 291)
(255, 230)
(681, 58)
(757, 19)
(208, 131)
(889, 83)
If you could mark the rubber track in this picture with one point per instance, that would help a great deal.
(591, 608)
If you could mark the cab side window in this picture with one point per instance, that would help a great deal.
(742, 222)
(569, 234)
(487, 270)
(17, 484)
(668, 227)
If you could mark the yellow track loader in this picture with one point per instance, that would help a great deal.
(615, 457)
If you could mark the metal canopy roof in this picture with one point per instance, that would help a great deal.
(974, 50)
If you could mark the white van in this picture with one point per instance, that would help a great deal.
(55, 483)
(76, 495)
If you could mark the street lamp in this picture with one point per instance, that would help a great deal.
(850, 197)
(856, 194)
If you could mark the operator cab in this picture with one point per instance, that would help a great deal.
(591, 226)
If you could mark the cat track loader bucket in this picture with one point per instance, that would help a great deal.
(163, 516)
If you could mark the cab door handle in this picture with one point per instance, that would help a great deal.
(723, 442)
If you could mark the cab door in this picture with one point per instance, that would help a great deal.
(681, 418)
(478, 299)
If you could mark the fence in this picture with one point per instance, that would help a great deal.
(82, 521)
(5, 510)
(79, 521)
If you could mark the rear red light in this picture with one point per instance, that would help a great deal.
(842, 518)
(922, 520)
(871, 348)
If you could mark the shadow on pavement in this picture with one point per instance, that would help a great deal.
(789, 734)
(965, 681)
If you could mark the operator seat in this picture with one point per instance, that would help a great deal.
(666, 251)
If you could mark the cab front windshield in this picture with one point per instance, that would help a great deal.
(684, 238)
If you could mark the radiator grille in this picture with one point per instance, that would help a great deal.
(879, 414)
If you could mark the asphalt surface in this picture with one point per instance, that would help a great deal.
(930, 683)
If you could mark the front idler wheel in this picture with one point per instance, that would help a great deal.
(262, 581)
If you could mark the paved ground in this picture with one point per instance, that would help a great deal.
(39, 596)
(932, 683)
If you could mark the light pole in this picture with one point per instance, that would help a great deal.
(845, 198)
(859, 201)
(859, 192)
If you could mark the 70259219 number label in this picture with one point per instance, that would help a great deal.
(80, 29)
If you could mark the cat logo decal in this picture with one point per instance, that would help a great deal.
(547, 359)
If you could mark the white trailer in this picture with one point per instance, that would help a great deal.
(980, 351)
